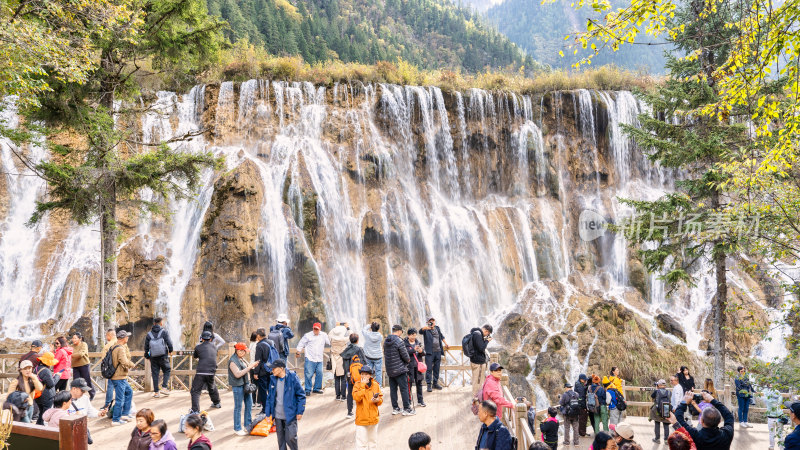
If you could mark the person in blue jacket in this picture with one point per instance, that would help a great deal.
(493, 435)
(792, 441)
(286, 403)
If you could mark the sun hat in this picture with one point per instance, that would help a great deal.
(625, 430)
(282, 318)
(48, 359)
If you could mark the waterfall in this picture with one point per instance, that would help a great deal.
(393, 201)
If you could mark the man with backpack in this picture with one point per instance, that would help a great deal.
(570, 408)
(661, 409)
(583, 414)
(352, 359)
(474, 347)
(279, 335)
(266, 353)
(115, 366)
(493, 435)
(286, 404)
(206, 353)
(157, 348)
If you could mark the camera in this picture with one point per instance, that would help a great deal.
(783, 420)
(697, 398)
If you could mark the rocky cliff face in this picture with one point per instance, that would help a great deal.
(395, 203)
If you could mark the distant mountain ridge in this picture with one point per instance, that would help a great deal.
(540, 29)
(432, 34)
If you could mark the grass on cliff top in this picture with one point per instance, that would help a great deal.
(244, 62)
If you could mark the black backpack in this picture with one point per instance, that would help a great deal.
(107, 367)
(621, 405)
(466, 346)
(574, 406)
(662, 399)
(276, 337)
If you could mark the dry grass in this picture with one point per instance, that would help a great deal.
(244, 61)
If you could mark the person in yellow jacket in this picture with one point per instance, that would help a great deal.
(367, 395)
(616, 382)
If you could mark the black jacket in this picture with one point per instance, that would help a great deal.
(347, 357)
(427, 339)
(207, 355)
(46, 377)
(262, 354)
(154, 332)
(549, 430)
(478, 346)
(412, 363)
(395, 356)
(709, 438)
(499, 438)
(580, 388)
(686, 383)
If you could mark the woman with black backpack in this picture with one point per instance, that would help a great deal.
(661, 409)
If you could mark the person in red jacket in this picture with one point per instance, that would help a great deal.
(492, 390)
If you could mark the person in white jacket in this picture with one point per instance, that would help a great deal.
(340, 337)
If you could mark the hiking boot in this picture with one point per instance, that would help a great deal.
(430, 389)
(409, 412)
(565, 444)
(437, 387)
(395, 411)
(216, 405)
(350, 414)
(421, 404)
(657, 440)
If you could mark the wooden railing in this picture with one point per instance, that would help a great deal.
(454, 368)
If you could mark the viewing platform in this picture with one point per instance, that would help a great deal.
(324, 426)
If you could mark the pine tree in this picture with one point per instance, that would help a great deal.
(695, 146)
(91, 180)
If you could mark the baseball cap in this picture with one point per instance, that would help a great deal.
(240, 346)
(205, 336)
(366, 369)
(81, 384)
(624, 429)
(282, 318)
(122, 334)
(793, 406)
(567, 385)
(25, 363)
(660, 382)
(37, 343)
(278, 363)
(495, 366)
(317, 325)
(397, 328)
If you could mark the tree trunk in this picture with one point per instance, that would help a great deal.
(108, 243)
(108, 207)
(720, 303)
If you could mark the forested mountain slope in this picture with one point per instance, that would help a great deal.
(428, 33)
(540, 29)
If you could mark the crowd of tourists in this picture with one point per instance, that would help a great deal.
(600, 403)
(55, 384)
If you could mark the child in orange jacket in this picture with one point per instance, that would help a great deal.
(367, 395)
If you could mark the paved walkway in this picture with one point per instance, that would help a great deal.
(324, 426)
